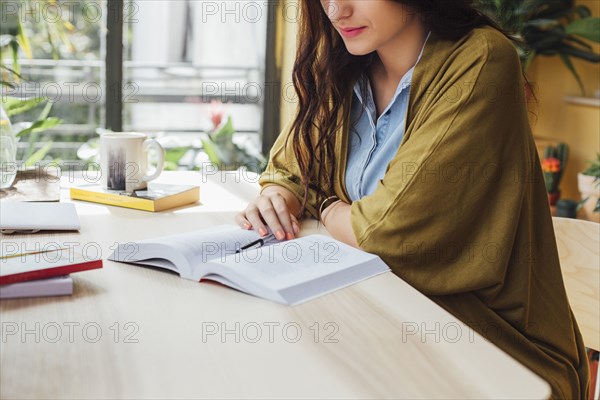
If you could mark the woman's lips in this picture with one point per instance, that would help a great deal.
(352, 32)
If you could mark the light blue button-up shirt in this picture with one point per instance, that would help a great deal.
(372, 144)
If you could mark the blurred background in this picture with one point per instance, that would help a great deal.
(211, 80)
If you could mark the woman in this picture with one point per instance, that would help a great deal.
(412, 141)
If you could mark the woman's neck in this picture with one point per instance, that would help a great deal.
(399, 54)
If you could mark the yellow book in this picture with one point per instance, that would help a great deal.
(157, 197)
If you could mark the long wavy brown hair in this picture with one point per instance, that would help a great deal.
(324, 72)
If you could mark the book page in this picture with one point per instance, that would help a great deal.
(205, 245)
(289, 263)
(195, 247)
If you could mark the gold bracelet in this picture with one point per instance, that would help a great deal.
(323, 204)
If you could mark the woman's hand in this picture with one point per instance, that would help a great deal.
(275, 208)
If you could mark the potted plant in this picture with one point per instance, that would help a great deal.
(588, 183)
(13, 106)
(221, 149)
(553, 167)
(548, 28)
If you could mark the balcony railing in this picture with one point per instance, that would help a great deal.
(77, 89)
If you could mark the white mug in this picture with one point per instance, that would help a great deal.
(124, 160)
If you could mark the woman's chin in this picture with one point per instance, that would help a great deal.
(358, 50)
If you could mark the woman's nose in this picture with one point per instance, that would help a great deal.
(338, 9)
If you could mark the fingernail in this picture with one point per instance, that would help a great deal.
(296, 228)
(279, 235)
(289, 236)
(247, 225)
(262, 231)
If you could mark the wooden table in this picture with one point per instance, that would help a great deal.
(134, 332)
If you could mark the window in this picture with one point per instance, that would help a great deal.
(65, 66)
(183, 54)
(177, 56)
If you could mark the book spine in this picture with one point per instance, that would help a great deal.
(50, 272)
(59, 286)
(112, 199)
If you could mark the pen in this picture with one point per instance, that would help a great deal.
(260, 241)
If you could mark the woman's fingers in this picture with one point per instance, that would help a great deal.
(295, 224)
(270, 216)
(253, 216)
(241, 220)
(283, 215)
(269, 211)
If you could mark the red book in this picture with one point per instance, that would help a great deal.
(44, 264)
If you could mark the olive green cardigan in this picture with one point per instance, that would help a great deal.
(462, 212)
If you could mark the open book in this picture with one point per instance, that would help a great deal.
(288, 272)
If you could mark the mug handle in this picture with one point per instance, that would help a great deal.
(147, 145)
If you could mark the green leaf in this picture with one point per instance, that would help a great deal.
(170, 166)
(9, 74)
(14, 106)
(225, 131)
(7, 84)
(23, 41)
(567, 60)
(38, 155)
(41, 126)
(553, 8)
(583, 11)
(175, 154)
(562, 153)
(45, 112)
(588, 28)
(33, 138)
(12, 71)
(580, 42)
(211, 151)
(543, 24)
(570, 50)
(14, 46)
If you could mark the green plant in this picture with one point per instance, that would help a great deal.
(51, 23)
(548, 28)
(553, 165)
(33, 27)
(172, 157)
(13, 38)
(14, 106)
(227, 155)
(594, 170)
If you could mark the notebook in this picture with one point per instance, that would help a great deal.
(26, 217)
(287, 272)
(43, 264)
(58, 286)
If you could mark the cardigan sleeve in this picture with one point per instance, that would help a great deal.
(282, 170)
(444, 215)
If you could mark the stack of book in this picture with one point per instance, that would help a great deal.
(42, 273)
